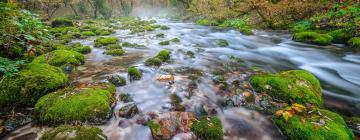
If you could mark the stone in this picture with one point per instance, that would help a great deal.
(128, 110)
(166, 78)
(117, 80)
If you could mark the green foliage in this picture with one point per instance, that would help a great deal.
(340, 36)
(237, 24)
(164, 43)
(295, 86)
(313, 37)
(21, 31)
(92, 104)
(134, 73)
(163, 55)
(153, 62)
(61, 57)
(301, 26)
(8, 67)
(222, 43)
(67, 132)
(208, 128)
(61, 22)
(28, 85)
(307, 127)
(207, 22)
(102, 41)
(115, 52)
(354, 42)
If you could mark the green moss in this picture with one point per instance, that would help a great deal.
(238, 24)
(153, 62)
(301, 26)
(155, 127)
(67, 132)
(102, 41)
(175, 40)
(296, 86)
(134, 73)
(208, 129)
(27, 86)
(92, 104)
(87, 33)
(61, 57)
(102, 32)
(164, 43)
(304, 127)
(313, 37)
(340, 36)
(61, 22)
(354, 42)
(222, 43)
(163, 27)
(78, 47)
(132, 45)
(163, 55)
(113, 46)
(206, 22)
(115, 52)
(162, 35)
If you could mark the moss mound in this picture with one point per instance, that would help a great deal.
(25, 88)
(208, 128)
(61, 57)
(78, 47)
(340, 36)
(67, 132)
(206, 22)
(313, 37)
(134, 73)
(327, 126)
(295, 86)
(87, 33)
(113, 46)
(153, 62)
(90, 104)
(115, 52)
(102, 41)
(175, 40)
(354, 42)
(61, 22)
(164, 43)
(163, 55)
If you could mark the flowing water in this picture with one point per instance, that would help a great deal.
(338, 71)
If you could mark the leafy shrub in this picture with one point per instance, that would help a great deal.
(21, 32)
(8, 67)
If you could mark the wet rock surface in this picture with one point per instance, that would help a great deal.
(128, 110)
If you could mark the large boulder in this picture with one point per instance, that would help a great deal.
(295, 86)
(169, 124)
(90, 104)
(67, 132)
(27, 86)
(61, 57)
(320, 124)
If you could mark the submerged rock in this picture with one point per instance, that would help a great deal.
(316, 124)
(90, 104)
(169, 124)
(125, 97)
(117, 80)
(128, 110)
(26, 87)
(67, 132)
(296, 86)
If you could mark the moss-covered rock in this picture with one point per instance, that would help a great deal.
(313, 37)
(208, 128)
(87, 33)
(222, 43)
(340, 36)
(61, 22)
(68, 132)
(117, 80)
(295, 86)
(26, 87)
(354, 42)
(113, 46)
(163, 55)
(90, 104)
(133, 45)
(134, 73)
(207, 22)
(61, 57)
(153, 62)
(78, 47)
(164, 43)
(161, 35)
(175, 40)
(102, 41)
(103, 32)
(163, 27)
(115, 52)
(319, 125)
